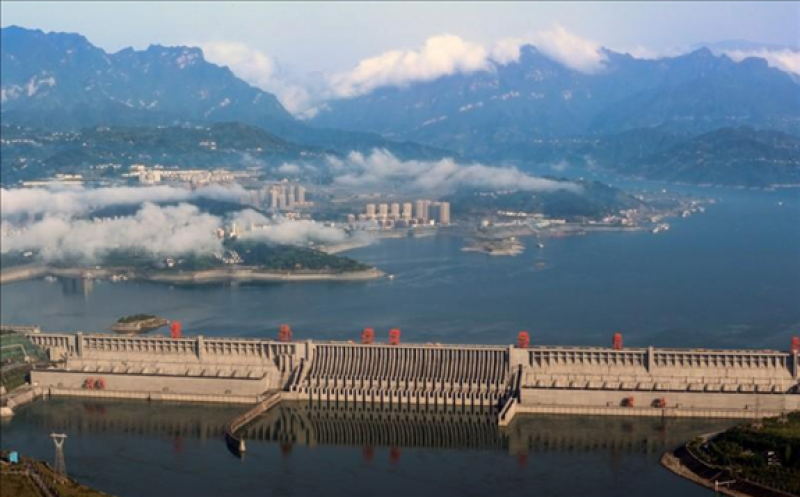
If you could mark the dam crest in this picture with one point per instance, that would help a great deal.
(503, 380)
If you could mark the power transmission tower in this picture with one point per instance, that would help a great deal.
(61, 465)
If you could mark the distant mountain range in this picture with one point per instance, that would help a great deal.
(29, 154)
(62, 81)
(698, 117)
(515, 105)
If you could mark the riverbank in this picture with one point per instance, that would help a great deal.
(756, 459)
(235, 274)
(31, 478)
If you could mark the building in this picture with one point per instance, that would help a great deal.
(301, 195)
(422, 209)
(383, 211)
(370, 211)
(407, 214)
(395, 211)
(444, 213)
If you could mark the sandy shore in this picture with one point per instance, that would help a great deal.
(22, 273)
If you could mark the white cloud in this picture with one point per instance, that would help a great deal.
(558, 44)
(440, 56)
(445, 55)
(381, 168)
(161, 230)
(76, 201)
(286, 232)
(259, 70)
(786, 60)
(54, 223)
(288, 168)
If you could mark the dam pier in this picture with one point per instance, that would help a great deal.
(503, 380)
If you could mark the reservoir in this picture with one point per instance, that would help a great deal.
(726, 278)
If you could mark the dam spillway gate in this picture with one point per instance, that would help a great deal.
(664, 382)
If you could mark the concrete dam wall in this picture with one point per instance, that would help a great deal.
(506, 380)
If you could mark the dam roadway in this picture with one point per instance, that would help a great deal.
(505, 381)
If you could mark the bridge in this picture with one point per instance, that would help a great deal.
(510, 380)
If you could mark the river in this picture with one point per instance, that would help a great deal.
(727, 278)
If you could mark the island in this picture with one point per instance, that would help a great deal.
(239, 261)
(138, 323)
(760, 458)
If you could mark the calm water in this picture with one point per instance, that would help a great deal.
(140, 449)
(727, 278)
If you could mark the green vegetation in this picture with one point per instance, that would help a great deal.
(16, 258)
(135, 318)
(31, 154)
(593, 200)
(16, 481)
(767, 453)
(290, 258)
(14, 346)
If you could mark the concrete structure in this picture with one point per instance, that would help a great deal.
(444, 213)
(508, 380)
(407, 213)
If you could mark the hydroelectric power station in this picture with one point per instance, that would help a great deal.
(506, 381)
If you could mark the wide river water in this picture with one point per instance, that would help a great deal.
(726, 278)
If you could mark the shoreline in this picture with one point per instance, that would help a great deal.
(240, 274)
(683, 463)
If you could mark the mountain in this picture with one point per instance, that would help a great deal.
(510, 109)
(62, 76)
(730, 156)
(736, 156)
(32, 153)
(60, 81)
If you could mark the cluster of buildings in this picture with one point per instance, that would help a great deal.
(287, 197)
(407, 214)
(155, 175)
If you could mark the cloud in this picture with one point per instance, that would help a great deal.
(76, 201)
(445, 55)
(558, 44)
(260, 70)
(786, 60)
(282, 231)
(169, 230)
(382, 169)
(288, 168)
(60, 230)
(442, 55)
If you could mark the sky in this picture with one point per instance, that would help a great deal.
(350, 47)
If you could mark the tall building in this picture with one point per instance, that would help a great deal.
(274, 197)
(407, 211)
(370, 211)
(444, 213)
(422, 210)
(395, 211)
(383, 211)
(301, 195)
(282, 198)
(290, 198)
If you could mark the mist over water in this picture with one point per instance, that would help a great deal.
(726, 278)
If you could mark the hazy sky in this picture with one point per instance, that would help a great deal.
(335, 36)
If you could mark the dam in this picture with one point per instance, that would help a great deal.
(371, 377)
